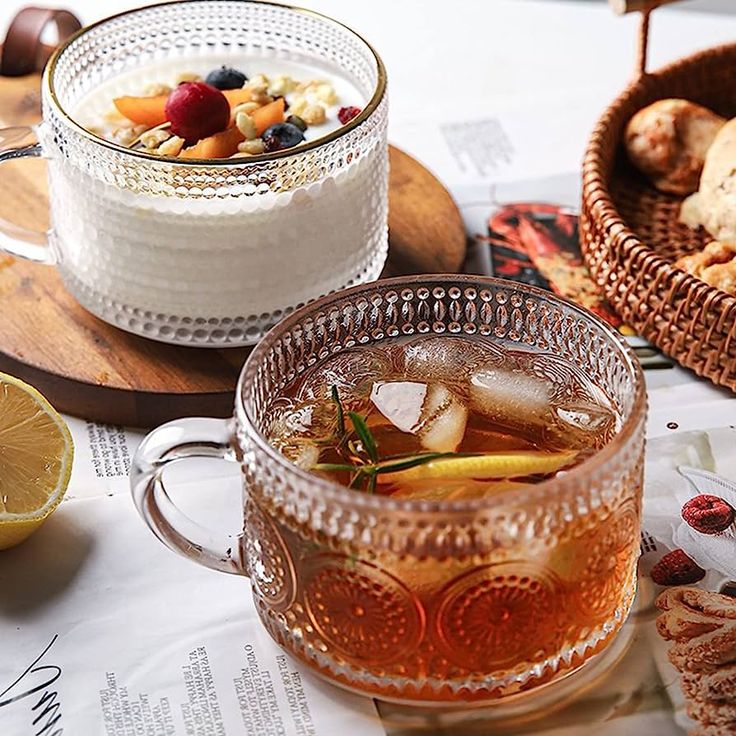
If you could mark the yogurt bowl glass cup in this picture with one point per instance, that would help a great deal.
(207, 252)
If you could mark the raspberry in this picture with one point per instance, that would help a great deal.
(346, 114)
(676, 568)
(708, 514)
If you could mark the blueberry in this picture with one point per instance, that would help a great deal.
(226, 78)
(296, 120)
(282, 135)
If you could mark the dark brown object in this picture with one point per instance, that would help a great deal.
(631, 234)
(91, 369)
(23, 53)
(677, 568)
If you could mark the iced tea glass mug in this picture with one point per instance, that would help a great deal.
(422, 601)
(210, 252)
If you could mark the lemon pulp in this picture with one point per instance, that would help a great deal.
(36, 453)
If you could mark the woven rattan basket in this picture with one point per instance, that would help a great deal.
(630, 233)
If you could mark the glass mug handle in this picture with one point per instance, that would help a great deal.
(22, 142)
(178, 440)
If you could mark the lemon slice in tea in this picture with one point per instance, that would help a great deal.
(36, 454)
(494, 465)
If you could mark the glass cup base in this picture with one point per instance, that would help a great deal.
(200, 331)
(538, 688)
(510, 713)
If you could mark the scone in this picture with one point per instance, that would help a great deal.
(668, 141)
(715, 264)
(714, 205)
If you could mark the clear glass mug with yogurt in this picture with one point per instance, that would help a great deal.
(208, 252)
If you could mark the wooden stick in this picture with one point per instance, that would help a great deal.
(643, 47)
(629, 6)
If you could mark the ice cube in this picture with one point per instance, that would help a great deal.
(583, 424)
(511, 398)
(303, 453)
(586, 417)
(444, 420)
(352, 372)
(306, 455)
(430, 411)
(447, 359)
(300, 420)
(312, 418)
(293, 426)
(400, 402)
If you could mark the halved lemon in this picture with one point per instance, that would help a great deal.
(36, 453)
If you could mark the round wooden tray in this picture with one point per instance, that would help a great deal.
(88, 368)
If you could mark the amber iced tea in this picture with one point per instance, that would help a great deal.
(441, 418)
(493, 434)
(454, 419)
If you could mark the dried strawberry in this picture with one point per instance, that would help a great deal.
(676, 568)
(346, 114)
(708, 514)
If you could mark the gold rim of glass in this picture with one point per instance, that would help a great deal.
(337, 492)
(367, 111)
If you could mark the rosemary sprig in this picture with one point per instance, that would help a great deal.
(395, 466)
(357, 445)
(340, 412)
(357, 479)
(405, 456)
(364, 434)
(335, 467)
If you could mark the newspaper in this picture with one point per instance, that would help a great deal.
(193, 658)
(104, 631)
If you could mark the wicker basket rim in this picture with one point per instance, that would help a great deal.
(596, 191)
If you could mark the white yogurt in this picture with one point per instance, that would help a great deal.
(91, 109)
(214, 271)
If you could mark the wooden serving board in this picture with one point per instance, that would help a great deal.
(88, 368)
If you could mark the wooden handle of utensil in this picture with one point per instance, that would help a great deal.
(644, 6)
